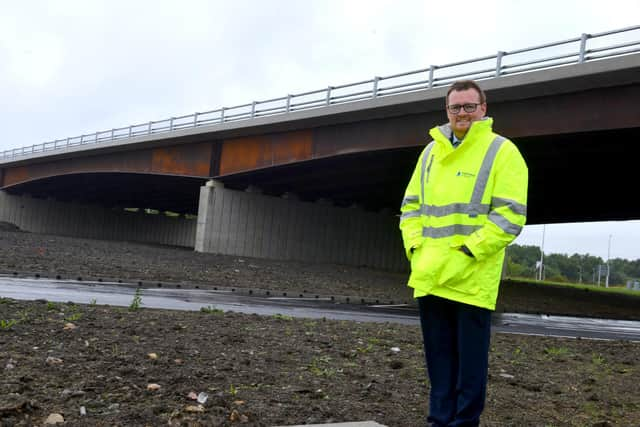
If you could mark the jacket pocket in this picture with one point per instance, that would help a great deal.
(427, 261)
(459, 273)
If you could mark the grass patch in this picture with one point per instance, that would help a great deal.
(211, 310)
(73, 317)
(556, 351)
(595, 288)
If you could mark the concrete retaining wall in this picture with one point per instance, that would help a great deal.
(96, 222)
(250, 224)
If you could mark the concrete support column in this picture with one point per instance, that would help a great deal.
(204, 226)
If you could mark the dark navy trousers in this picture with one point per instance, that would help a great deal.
(456, 345)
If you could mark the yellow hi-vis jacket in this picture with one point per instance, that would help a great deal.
(473, 195)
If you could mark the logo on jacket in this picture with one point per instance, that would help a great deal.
(465, 174)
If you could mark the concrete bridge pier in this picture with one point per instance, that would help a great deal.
(252, 224)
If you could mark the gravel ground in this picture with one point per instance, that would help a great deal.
(137, 367)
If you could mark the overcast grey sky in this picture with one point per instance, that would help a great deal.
(69, 67)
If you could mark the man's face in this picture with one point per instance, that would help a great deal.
(461, 122)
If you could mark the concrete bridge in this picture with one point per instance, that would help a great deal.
(325, 184)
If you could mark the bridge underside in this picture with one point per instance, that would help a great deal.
(573, 178)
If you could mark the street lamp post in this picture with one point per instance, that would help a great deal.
(541, 272)
(606, 281)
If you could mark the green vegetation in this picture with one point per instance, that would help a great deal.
(233, 391)
(73, 317)
(597, 359)
(7, 324)
(556, 351)
(282, 316)
(137, 300)
(211, 310)
(322, 367)
(562, 268)
(594, 288)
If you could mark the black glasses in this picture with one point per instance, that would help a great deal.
(468, 108)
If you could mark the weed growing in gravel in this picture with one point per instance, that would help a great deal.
(137, 300)
(282, 316)
(320, 366)
(51, 306)
(73, 317)
(23, 315)
(367, 349)
(232, 390)
(556, 351)
(7, 324)
(211, 310)
(597, 359)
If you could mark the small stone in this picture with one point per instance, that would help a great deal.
(83, 411)
(152, 356)
(235, 416)
(53, 361)
(395, 349)
(202, 397)
(153, 387)
(192, 395)
(194, 408)
(69, 326)
(507, 376)
(54, 419)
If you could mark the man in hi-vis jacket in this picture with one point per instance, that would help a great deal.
(465, 202)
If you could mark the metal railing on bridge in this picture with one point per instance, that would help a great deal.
(587, 47)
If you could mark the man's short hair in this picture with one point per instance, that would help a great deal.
(466, 85)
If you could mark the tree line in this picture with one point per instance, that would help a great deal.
(523, 261)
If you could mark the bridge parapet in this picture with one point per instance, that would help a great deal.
(577, 50)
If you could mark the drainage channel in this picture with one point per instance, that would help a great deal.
(118, 294)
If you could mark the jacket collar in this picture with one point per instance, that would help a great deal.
(444, 132)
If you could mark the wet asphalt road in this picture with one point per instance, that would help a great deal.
(117, 294)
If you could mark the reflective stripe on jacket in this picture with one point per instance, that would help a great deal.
(474, 195)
